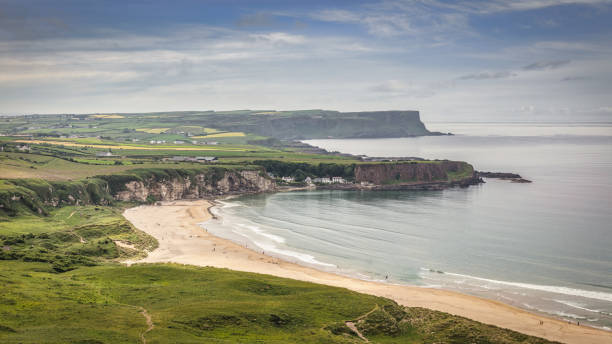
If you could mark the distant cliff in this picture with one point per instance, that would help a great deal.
(327, 124)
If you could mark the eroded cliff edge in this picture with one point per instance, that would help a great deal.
(152, 185)
(193, 187)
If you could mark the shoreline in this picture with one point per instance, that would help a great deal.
(175, 224)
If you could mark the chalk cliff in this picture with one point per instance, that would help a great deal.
(193, 187)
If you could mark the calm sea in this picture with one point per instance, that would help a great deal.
(545, 246)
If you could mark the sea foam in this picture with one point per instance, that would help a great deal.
(589, 294)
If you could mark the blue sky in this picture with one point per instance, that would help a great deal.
(538, 60)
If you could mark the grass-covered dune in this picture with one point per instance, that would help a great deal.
(110, 304)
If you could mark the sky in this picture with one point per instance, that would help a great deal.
(476, 60)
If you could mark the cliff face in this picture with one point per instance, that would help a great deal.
(414, 173)
(196, 187)
(332, 124)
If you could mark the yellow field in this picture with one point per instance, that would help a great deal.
(228, 134)
(108, 116)
(152, 130)
(157, 147)
(211, 130)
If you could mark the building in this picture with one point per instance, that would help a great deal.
(206, 158)
(288, 179)
(322, 180)
(201, 159)
(308, 180)
(179, 142)
(104, 154)
(338, 180)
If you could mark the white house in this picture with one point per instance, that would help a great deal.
(104, 154)
(322, 180)
(23, 148)
(206, 158)
(179, 142)
(288, 179)
(339, 180)
(308, 180)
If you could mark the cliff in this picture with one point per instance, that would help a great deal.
(326, 124)
(410, 175)
(193, 187)
(37, 195)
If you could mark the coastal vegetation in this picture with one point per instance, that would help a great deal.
(66, 179)
(186, 304)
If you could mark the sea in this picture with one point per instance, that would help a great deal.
(545, 247)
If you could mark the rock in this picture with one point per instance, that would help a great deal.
(199, 186)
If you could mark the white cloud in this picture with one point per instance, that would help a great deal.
(494, 6)
(280, 37)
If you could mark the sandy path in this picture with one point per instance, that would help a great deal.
(181, 240)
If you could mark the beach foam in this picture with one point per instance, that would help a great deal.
(596, 295)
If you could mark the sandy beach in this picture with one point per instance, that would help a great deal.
(182, 240)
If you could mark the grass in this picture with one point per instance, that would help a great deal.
(129, 147)
(108, 116)
(207, 305)
(153, 130)
(70, 236)
(217, 135)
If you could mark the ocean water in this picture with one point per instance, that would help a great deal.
(545, 247)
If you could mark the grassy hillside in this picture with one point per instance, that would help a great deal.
(70, 237)
(106, 304)
(61, 283)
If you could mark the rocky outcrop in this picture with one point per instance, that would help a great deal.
(413, 172)
(513, 177)
(198, 186)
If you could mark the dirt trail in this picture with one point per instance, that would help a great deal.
(353, 328)
(150, 324)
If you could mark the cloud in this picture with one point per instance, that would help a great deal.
(335, 15)
(545, 65)
(487, 75)
(397, 18)
(280, 37)
(496, 6)
(389, 86)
